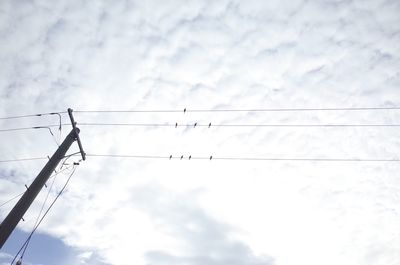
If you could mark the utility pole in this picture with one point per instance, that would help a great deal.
(10, 222)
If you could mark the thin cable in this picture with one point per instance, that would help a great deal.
(33, 158)
(48, 127)
(44, 215)
(39, 127)
(126, 111)
(209, 125)
(239, 110)
(13, 198)
(40, 213)
(41, 209)
(308, 159)
(128, 156)
(32, 128)
(170, 157)
(19, 195)
(23, 159)
(59, 128)
(67, 157)
(32, 115)
(17, 129)
(22, 193)
(51, 132)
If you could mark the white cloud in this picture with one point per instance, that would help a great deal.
(210, 54)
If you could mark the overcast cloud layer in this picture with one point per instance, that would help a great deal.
(105, 55)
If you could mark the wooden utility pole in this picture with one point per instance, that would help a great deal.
(10, 222)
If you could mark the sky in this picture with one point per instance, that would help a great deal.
(213, 55)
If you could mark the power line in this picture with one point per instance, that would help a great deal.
(39, 127)
(209, 125)
(23, 159)
(223, 158)
(13, 198)
(33, 128)
(32, 115)
(41, 209)
(36, 158)
(53, 176)
(17, 129)
(185, 110)
(189, 157)
(44, 215)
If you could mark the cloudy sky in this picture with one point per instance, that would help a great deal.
(204, 54)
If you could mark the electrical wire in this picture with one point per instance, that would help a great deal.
(52, 134)
(13, 198)
(44, 215)
(43, 204)
(209, 125)
(32, 128)
(194, 125)
(23, 159)
(33, 115)
(181, 157)
(33, 158)
(59, 129)
(19, 195)
(239, 110)
(38, 127)
(38, 222)
(207, 110)
(48, 127)
(185, 110)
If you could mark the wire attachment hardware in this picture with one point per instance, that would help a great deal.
(71, 117)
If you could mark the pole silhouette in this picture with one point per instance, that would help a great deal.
(11, 221)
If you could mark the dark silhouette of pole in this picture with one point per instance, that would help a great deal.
(10, 222)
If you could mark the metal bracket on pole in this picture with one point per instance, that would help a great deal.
(71, 117)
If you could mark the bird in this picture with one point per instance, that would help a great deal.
(170, 157)
(210, 157)
(181, 157)
(190, 157)
(195, 124)
(184, 110)
(209, 125)
(176, 125)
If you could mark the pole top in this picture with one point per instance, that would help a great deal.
(76, 129)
